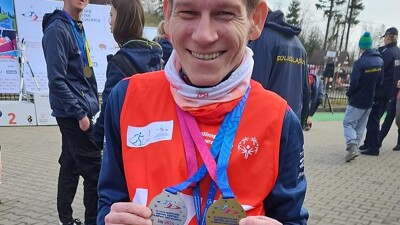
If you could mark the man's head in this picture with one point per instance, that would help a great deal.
(75, 7)
(210, 37)
(365, 41)
(390, 35)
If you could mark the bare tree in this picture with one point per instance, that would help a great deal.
(312, 40)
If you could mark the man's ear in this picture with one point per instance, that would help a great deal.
(258, 17)
(167, 15)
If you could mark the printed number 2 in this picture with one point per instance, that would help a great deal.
(11, 121)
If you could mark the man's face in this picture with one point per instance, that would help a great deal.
(77, 5)
(210, 36)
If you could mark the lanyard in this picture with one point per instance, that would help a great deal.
(188, 143)
(220, 148)
(82, 42)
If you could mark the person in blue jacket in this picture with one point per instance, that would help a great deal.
(385, 98)
(280, 63)
(365, 79)
(74, 101)
(137, 55)
(316, 97)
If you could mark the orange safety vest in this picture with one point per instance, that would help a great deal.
(253, 164)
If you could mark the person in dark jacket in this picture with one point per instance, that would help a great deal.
(163, 39)
(316, 96)
(74, 101)
(137, 55)
(365, 79)
(280, 63)
(385, 99)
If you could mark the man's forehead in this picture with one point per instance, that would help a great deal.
(206, 3)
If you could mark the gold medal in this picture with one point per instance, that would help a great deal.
(168, 208)
(88, 71)
(225, 212)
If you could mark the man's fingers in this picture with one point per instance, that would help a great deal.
(258, 220)
(123, 218)
(127, 207)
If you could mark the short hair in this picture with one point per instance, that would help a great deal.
(130, 20)
(250, 5)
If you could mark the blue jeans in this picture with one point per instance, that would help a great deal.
(354, 123)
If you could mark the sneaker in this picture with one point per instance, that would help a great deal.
(73, 222)
(352, 152)
(396, 148)
(363, 147)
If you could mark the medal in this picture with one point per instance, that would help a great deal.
(168, 208)
(225, 212)
(88, 71)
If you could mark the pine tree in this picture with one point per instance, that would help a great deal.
(355, 7)
(327, 6)
(293, 15)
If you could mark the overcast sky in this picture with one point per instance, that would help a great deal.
(375, 14)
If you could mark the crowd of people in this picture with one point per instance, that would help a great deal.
(173, 133)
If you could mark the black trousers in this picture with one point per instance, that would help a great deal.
(387, 123)
(373, 124)
(79, 157)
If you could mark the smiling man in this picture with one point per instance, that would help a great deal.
(74, 101)
(201, 134)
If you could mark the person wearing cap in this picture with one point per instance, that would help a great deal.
(385, 99)
(365, 78)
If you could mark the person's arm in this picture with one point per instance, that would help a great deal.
(305, 109)
(285, 202)
(114, 74)
(316, 96)
(398, 105)
(354, 79)
(112, 186)
(56, 50)
(388, 59)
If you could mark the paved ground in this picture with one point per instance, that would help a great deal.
(365, 191)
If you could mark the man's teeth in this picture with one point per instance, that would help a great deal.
(206, 56)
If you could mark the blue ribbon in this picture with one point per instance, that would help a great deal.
(80, 39)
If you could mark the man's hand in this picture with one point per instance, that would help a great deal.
(258, 220)
(84, 123)
(127, 213)
(309, 120)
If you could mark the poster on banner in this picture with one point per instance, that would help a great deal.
(9, 74)
(16, 113)
(95, 19)
(7, 26)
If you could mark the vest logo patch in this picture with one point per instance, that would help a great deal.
(248, 146)
(154, 132)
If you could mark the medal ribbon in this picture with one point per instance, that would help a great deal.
(190, 152)
(222, 144)
(82, 42)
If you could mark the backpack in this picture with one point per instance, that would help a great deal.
(126, 65)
